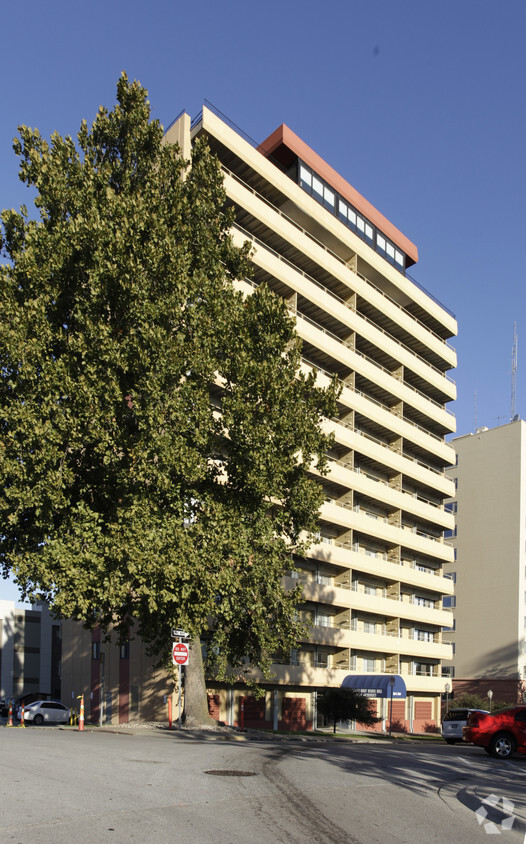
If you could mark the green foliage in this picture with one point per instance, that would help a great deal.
(125, 494)
(473, 701)
(337, 704)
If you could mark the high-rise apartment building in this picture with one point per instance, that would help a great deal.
(489, 541)
(373, 582)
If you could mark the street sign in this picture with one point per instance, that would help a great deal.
(179, 634)
(180, 653)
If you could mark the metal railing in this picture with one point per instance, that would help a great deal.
(337, 257)
(229, 122)
(380, 404)
(379, 555)
(365, 357)
(374, 439)
(342, 301)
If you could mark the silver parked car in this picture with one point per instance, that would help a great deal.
(45, 712)
(454, 721)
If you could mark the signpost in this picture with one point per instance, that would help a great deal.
(179, 657)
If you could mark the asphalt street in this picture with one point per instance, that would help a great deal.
(151, 785)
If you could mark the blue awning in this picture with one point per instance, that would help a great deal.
(376, 685)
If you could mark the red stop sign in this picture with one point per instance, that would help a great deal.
(180, 653)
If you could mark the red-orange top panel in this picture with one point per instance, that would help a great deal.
(286, 137)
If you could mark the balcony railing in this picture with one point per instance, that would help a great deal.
(418, 358)
(409, 528)
(373, 400)
(198, 118)
(374, 439)
(371, 477)
(333, 254)
(366, 358)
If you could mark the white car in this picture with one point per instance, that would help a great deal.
(45, 712)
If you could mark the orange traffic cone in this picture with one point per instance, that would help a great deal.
(81, 716)
(22, 722)
(10, 719)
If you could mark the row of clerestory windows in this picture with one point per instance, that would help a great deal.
(333, 202)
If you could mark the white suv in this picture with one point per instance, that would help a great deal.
(454, 721)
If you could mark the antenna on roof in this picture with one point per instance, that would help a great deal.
(475, 426)
(514, 374)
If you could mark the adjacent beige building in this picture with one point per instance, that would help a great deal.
(489, 542)
(374, 580)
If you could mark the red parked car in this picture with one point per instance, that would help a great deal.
(500, 733)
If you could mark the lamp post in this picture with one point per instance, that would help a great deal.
(490, 696)
(392, 682)
(448, 689)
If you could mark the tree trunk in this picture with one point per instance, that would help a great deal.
(195, 700)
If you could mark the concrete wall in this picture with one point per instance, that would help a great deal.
(490, 613)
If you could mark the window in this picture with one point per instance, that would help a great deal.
(451, 506)
(323, 620)
(369, 627)
(451, 575)
(125, 650)
(305, 178)
(368, 663)
(423, 635)
(322, 659)
(420, 601)
(423, 669)
(95, 650)
(449, 602)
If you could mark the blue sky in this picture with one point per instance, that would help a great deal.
(419, 105)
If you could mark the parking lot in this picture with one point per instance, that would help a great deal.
(60, 785)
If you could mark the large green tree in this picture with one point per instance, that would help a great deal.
(156, 431)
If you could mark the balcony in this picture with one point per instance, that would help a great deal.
(418, 541)
(383, 415)
(385, 643)
(328, 301)
(258, 208)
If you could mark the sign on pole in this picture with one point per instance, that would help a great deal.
(180, 653)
